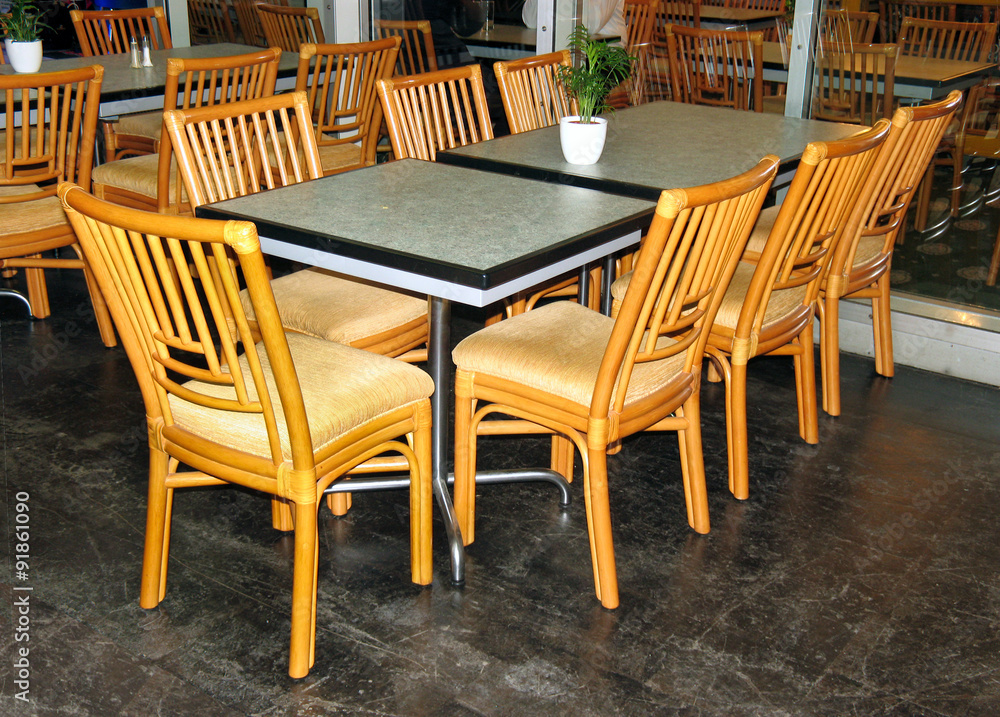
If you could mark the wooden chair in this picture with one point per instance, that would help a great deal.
(416, 53)
(968, 41)
(208, 21)
(773, 5)
(48, 136)
(435, 111)
(150, 182)
(979, 136)
(892, 12)
(716, 67)
(288, 417)
(222, 165)
(859, 265)
(591, 380)
(533, 95)
(340, 83)
(844, 28)
(847, 83)
(109, 32)
(676, 12)
(640, 21)
(251, 31)
(290, 27)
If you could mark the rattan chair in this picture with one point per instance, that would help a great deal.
(854, 83)
(416, 53)
(109, 32)
(721, 68)
(48, 136)
(844, 28)
(287, 417)
(290, 27)
(251, 31)
(967, 41)
(676, 12)
(150, 182)
(892, 12)
(591, 380)
(208, 22)
(859, 266)
(340, 83)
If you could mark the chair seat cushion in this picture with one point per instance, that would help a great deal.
(20, 217)
(134, 174)
(780, 305)
(868, 249)
(557, 349)
(339, 156)
(329, 306)
(342, 388)
(140, 124)
(762, 229)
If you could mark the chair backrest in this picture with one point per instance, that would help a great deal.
(533, 95)
(971, 41)
(109, 32)
(251, 31)
(416, 54)
(979, 133)
(435, 111)
(290, 27)
(905, 155)
(241, 148)
(640, 19)
(340, 83)
(854, 83)
(810, 222)
(676, 12)
(208, 21)
(716, 67)
(687, 259)
(773, 5)
(211, 81)
(185, 355)
(845, 28)
(48, 132)
(892, 12)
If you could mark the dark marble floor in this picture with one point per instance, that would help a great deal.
(859, 578)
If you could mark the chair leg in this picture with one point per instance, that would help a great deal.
(923, 202)
(563, 452)
(693, 465)
(602, 548)
(736, 431)
(465, 459)
(281, 515)
(829, 347)
(991, 277)
(154, 554)
(302, 645)
(805, 386)
(339, 503)
(38, 293)
(105, 325)
(421, 504)
(882, 327)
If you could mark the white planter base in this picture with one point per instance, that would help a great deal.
(582, 143)
(24, 56)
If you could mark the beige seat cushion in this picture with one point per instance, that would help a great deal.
(140, 124)
(342, 388)
(557, 349)
(135, 174)
(29, 216)
(332, 307)
(339, 156)
(868, 249)
(780, 304)
(762, 229)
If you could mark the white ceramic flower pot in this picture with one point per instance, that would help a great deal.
(582, 143)
(24, 56)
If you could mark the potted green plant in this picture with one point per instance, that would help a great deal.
(601, 66)
(22, 28)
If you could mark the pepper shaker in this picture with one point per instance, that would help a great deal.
(134, 49)
(147, 61)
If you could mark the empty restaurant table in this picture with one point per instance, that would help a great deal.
(450, 233)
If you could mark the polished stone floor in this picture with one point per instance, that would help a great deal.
(860, 578)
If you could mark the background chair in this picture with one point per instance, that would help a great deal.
(288, 417)
(892, 12)
(676, 12)
(290, 27)
(716, 67)
(109, 32)
(591, 380)
(848, 78)
(150, 182)
(340, 83)
(968, 41)
(532, 94)
(251, 31)
(208, 21)
(416, 53)
(859, 265)
(844, 28)
(48, 136)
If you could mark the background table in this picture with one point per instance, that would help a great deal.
(454, 234)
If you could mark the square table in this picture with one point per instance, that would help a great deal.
(451, 233)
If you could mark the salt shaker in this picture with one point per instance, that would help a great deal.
(147, 61)
(134, 49)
